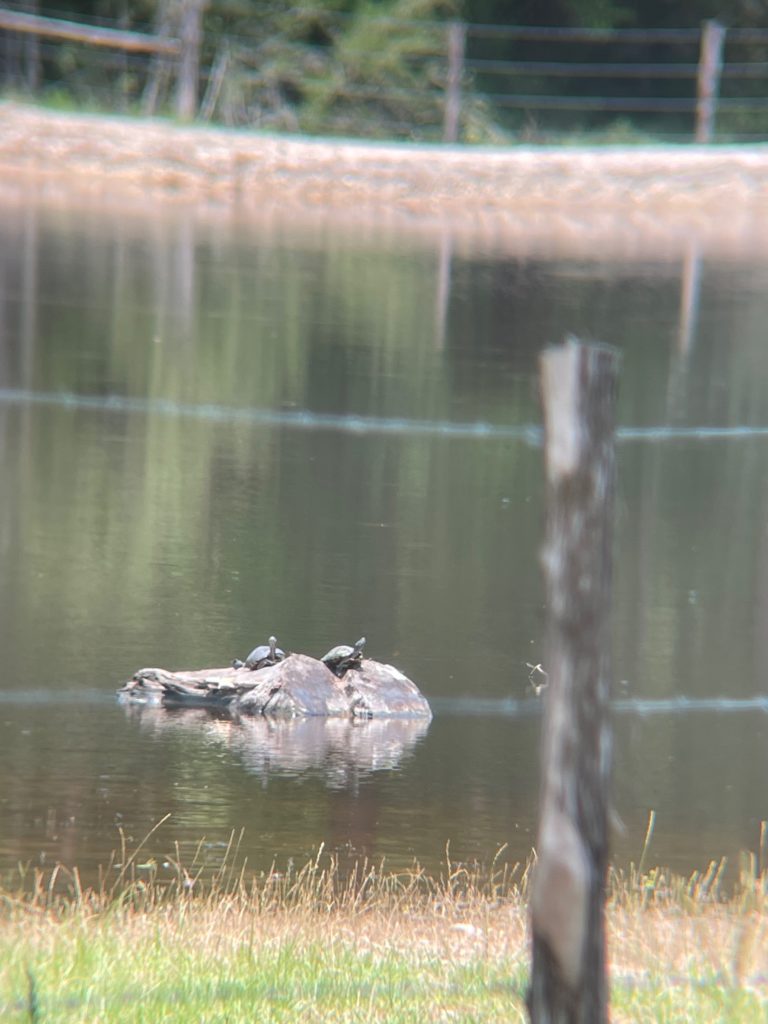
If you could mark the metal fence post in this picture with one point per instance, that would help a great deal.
(708, 82)
(457, 35)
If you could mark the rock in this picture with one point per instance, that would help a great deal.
(376, 690)
(298, 686)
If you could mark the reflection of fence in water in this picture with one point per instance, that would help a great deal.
(517, 71)
(528, 433)
(512, 707)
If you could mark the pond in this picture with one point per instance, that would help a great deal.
(215, 427)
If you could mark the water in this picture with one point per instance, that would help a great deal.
(213, 428)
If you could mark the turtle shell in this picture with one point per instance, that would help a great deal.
(337, 654)
(339, 659)
(263, 653)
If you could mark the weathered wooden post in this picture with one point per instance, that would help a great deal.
(708, 81)
(568, 980)
(32, 59)
(457, 36)
(190, 39)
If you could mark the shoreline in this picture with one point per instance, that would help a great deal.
(617, 204)
(162, 159)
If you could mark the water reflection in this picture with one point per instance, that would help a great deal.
(303, 419)
(340, 751)
(690, 299)
(215, 427)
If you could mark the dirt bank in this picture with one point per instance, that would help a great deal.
(611, 203)
(157, 157)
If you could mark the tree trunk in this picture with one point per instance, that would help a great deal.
(568, 981)
(215, 82)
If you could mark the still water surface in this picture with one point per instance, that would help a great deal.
(214, 428)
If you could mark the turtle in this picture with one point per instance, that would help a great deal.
(343, 657)
(262, 656)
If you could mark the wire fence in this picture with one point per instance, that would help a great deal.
(552, 73)
(447, 81)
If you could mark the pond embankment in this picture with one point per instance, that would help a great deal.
(155, 157)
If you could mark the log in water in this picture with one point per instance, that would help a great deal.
(298, 686)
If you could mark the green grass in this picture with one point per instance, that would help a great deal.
(364, 945)
(280, 981)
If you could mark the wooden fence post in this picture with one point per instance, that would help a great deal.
(568, 978)
(457, 37)
(190, 38)
(708, 81)
(32, 59)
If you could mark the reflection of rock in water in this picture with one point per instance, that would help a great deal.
(340, 749)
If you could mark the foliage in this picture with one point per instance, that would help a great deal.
(378, 68)
(367, 69)
(387, 74)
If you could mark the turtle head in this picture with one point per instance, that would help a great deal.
(360, 645)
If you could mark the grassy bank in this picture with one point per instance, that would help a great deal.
(322, 944)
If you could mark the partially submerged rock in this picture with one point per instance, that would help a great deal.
(378, 690)
(298, 686)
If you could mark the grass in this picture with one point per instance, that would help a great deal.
(361, 945)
